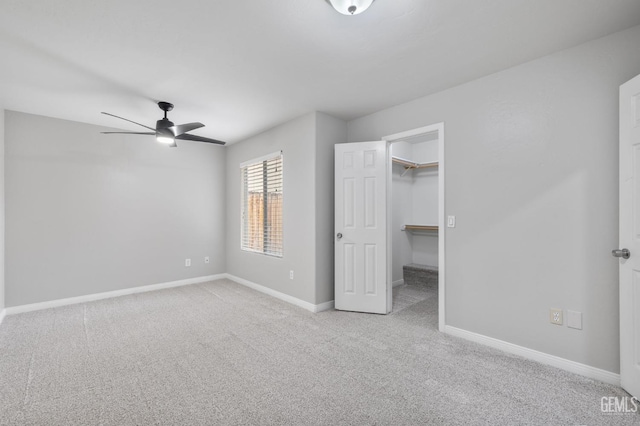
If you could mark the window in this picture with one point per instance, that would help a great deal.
(262, 205)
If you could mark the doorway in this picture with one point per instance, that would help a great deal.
(416, 219)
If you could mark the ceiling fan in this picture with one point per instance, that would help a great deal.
(165, 131)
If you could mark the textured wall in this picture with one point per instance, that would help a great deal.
(296, 139)
(88, 213)
(532, 176)
(307, 144)
(2, 207)
(329, 132)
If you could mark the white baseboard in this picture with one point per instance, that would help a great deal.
(133, 290)
(398, 282)
(278, 295)
(544, 358)
(326, 306)
(541, 357)
(107, 295)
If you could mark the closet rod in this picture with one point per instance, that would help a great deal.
(413, 165)
(419, 228)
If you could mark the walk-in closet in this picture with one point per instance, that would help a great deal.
(415, 231)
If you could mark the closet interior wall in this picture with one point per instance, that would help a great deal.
(415, 202)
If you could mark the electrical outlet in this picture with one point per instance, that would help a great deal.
(206, 259)
(555, 316)
(187, 262)
(290, 275)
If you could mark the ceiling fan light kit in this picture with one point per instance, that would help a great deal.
(166, 140)
(166, 132)
(350, 7)
(163, 135)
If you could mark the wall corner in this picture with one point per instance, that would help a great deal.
(329, 132)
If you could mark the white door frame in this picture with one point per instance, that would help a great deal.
(439, 129)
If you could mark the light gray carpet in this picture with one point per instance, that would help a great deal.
(219, 353)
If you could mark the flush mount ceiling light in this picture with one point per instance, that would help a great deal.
(350, 7)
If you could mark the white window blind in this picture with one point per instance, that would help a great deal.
(262, 205)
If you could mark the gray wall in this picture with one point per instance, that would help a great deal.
(296, 139)
(2, 302)
(329, 131)
(88, 213)
(307, 143)
(532, 176)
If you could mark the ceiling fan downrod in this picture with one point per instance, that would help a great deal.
(165, 106)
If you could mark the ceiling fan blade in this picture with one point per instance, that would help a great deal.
(187, 137)
(184, 128)
(129, 133)
(125, 119)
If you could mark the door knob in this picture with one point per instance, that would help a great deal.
(623, 253)
(339, 235)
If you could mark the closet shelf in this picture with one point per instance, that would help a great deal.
(420, 228)
(408, 164)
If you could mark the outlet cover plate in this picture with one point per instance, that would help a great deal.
(555, 316)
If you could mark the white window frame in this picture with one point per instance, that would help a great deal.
(243, 202)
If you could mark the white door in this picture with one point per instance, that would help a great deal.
(361, 283)
(630, 236)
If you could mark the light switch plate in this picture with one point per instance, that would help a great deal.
(574, 319)
(451, 221)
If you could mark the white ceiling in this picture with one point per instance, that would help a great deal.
(242, 66)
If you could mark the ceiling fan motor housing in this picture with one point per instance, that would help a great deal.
(164, 124)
